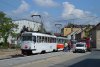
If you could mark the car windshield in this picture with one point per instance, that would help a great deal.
(79, 45)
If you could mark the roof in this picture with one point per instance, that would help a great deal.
(38, 34)
(26, 20)
(95, 27)
(77, 26)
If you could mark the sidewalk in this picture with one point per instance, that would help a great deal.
(8, 53)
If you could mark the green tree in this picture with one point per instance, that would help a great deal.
(6, 27)
(87, 30)
(70, 25)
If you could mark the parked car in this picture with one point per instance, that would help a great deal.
(80, 47)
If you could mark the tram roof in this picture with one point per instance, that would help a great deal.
(39, 34)
(62, 37)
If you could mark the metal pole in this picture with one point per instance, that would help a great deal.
(58, 26)
(40, 21)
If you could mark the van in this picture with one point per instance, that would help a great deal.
(79, 47)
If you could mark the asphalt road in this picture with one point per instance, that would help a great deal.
(90, 60)
(40, 60)
(55, 60)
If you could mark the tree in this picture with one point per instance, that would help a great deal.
(70, 25)
(6, 27)
(87, 30)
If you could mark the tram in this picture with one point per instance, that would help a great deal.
(32, 42)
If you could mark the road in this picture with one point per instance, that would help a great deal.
(90, 60)
(41, 60)
(55, 59)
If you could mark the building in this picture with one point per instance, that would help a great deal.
(75, 32)
(70, 32)
(95, 36)
(66, 31)
(30, 24)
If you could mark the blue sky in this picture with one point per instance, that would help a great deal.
(52, 10)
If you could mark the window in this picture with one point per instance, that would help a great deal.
(54, 40)
(79, 45)
(46, 40)
(43, 39)
(26, 38)
(29, 38)
(39, 39)
(34, 38)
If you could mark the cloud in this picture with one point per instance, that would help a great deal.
(46, 3)
(34, 13)
(71, 11)
(46, 13)
(22, 8)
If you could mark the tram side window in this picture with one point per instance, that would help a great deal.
(34, 38)
(46, 39)
(43, 39)
(58, 40)
(39, 39)
(49, 40)
(63, 40)
(54, 40)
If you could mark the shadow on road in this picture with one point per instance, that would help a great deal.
(87, 63)
(17, 55)
(12, 56)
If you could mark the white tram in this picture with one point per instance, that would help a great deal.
(32, 42)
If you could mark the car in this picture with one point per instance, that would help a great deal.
(80, 47)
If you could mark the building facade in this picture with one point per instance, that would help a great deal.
(30, 24)
(71, 32)
(95, 36)
(66, 31)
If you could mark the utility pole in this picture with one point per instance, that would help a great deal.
(42, 30)
(58, 26)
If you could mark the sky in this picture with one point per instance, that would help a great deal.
(54, 11)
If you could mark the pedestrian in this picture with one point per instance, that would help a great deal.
(65, 46)
(69, 46)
